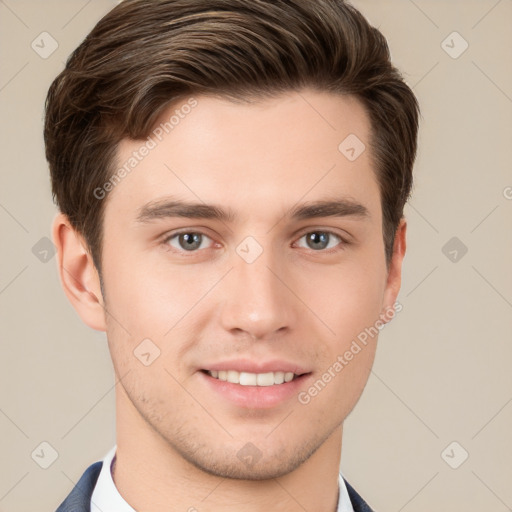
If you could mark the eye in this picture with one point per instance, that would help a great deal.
(193, 241)
(321, 240)
(189, 241)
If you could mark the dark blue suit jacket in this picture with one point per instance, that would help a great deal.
(79, 500)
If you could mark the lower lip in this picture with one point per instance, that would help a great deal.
(255, 397)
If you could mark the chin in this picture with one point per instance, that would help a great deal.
(249, 462)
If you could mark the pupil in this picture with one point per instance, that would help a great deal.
(318, 238)
(192, 240)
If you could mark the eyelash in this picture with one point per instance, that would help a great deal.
(343, 242)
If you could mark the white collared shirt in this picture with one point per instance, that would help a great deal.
(106, 497)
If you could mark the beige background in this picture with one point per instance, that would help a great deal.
(442, 371)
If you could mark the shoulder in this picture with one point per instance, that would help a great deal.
(79, 499)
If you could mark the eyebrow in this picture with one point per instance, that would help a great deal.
(162, 209)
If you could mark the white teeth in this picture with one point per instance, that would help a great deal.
(252, 379)
(278, 377)
(264, 379)
(232, 376)
(244, 378)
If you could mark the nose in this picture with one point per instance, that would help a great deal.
(258, 300)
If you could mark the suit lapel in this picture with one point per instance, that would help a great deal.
(79, 499)
(358, 503)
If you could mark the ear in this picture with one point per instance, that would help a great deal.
(78, 275)
(394, 278)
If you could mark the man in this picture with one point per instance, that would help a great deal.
(231, 177)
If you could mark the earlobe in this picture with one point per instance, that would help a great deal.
(78, 274)
(394, 278)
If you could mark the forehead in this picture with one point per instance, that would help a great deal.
(295, 147)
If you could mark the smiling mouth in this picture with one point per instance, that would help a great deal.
(253, 379)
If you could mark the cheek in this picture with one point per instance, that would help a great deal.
(157, 302)
(347, 298)
(349, 303)
(149, 299)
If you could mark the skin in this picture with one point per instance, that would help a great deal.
(177, 440)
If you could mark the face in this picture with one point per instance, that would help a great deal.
(251, 284)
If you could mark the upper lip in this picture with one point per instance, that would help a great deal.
(251, 366)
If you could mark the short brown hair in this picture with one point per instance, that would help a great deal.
(145, 54)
